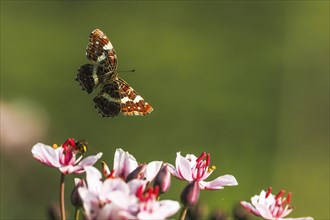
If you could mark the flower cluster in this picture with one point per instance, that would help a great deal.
(132, 190)
(269, 206)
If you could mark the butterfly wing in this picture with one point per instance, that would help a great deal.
(118, 96)
(131, 103)
(100, 51)
(90, 76)
(107, 102)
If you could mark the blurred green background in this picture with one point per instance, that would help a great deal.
(246, 81)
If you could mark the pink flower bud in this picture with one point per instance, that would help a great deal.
(190, 194)
(75, 197)
(163, 179)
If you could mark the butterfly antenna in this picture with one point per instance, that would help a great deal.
(125, 71)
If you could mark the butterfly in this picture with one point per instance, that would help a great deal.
(115, 95)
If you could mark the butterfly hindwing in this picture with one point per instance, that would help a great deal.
(131, 102)
(107, 102)
(90, 76)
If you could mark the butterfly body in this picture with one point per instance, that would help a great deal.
(115, 95)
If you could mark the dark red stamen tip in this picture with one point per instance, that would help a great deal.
(280, 194)
(201, 157)
(208, 159)
(269, 191)
(288, 198)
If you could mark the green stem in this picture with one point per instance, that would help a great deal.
(183, 213)
(62, 206)
(76, 213)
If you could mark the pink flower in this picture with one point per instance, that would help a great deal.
(116, 199)
(125, 163)
(191, 168)
(269, 206)
(63, 158)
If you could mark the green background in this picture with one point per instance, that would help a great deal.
(246, 81)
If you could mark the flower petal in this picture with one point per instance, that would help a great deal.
(248, 206)
(152, 170)
(124, 163)
(183, 167)
(89, 161)
(219, 183)
(166, 208)
(46, 154)
(173, 171)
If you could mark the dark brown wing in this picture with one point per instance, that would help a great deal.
(90, 76)
(107, 102)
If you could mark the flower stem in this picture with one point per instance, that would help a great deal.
(62, 206)
(76, 213)
(183, 213)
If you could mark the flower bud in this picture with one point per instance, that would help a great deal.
(163, 179)
(105, 170)
(75, 197)
(138, 173)
(190, 194)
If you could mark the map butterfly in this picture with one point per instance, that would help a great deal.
(115, 95)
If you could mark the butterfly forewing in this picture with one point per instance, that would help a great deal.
(100, 51)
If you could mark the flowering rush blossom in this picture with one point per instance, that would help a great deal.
(269, 206)
(64, 157)
(116, 199)
(125, 163)
(192, 168)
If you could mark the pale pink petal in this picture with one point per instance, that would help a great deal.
(173, 171)
(206, 175)
(46, 155)
(93, 179)
(90, 202)
(192, 159)
(90, 160)
(166, 209)
(152, 170)
(250, 207)
(183, 167)
(124, 163)
(219, 183)
(286, 212)
(110, 211)
(67, 169)
(112, 185)
(135, 184)
(301, 218)
(264, 211)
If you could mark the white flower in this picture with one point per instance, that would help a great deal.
(191, 168)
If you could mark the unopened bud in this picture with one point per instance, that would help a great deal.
(163, 179)
(138, 173)
(190, 194)
(105, 169)
(75, 197)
